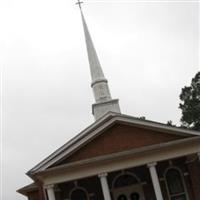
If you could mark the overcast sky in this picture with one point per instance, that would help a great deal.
(148, 51)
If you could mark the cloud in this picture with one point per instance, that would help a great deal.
(148, 52)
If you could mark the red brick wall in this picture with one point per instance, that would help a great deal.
(34, 195)
(149, 192)
(194, 172)
(120, 138)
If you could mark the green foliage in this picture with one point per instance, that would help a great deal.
(170, 123)
(190, 106)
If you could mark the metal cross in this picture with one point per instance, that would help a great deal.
(79, 3)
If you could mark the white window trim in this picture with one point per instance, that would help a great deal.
(125, 173)
(183, 181)
(79, 188)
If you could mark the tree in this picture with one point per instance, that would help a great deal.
(170, 123)
(190, 106)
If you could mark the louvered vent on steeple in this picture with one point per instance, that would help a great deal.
(103, 101)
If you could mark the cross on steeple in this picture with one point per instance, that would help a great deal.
(79, 3)
(103, 100)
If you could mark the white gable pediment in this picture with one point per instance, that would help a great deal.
(99, 127)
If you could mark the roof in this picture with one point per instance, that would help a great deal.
(28, 188)
(100, 125)
(138, 151)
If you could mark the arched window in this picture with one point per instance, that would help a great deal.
(175, 184)
(125, 179)
(78, 194)
(127, 186)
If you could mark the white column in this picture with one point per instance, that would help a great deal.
(155, 180)
(50, 192)
(104, 186)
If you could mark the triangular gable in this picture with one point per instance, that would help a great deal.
(118, 138)
(101, 125)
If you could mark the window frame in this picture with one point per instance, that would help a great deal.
(170, 196)
(122, 174)
(78, 188)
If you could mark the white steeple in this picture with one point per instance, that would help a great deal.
(103, 101)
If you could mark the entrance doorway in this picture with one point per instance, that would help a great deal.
(127, 186)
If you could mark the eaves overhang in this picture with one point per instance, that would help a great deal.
(29, 188)
(70, 143)
(117, 156)
(98, 127)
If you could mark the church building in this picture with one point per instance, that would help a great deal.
(119, 157)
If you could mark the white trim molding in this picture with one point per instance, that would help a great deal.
(118, 161)
(98, 127)
(182, 180)
(127, 190)
(78, 188)
(155, 180)
(125, 173)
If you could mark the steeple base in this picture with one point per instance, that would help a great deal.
(99, 109)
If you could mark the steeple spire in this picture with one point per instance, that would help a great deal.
(103, 101)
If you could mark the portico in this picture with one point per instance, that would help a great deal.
(132, 183)
(144, 170)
